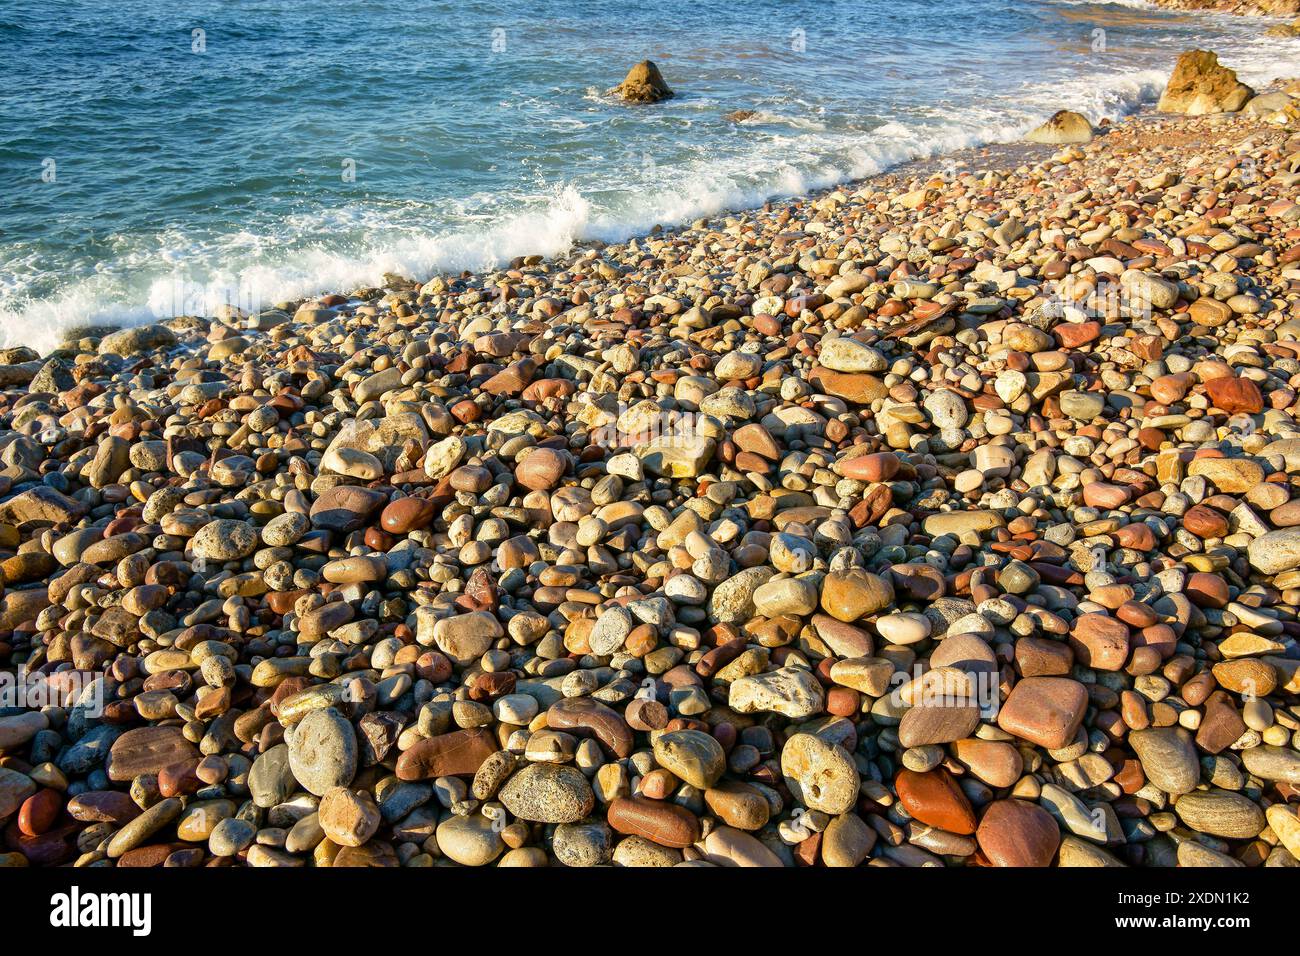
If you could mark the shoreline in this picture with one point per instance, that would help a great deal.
(1281, 9)
(946, 518)
(991, 157)
(997, 157)
(246, 283)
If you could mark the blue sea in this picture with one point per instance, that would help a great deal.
(161, 158)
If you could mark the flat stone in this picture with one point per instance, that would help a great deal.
(1045, 711)
(17, 729)
(1235, 395)
(665, 824)
(849, 355)
(691, 755)
(1284, 821)
(376, 384)
(1221, 813)
(727, 846)
(847, 841)
(147, 750)
(15, 788)
(464, 637)
(968, 653)
(1100, 641)
(469, 840)
(459, 753)
(995, 762)
(903, 627)
(637, 851)
(613, 625)
(230, 836)
(860, 388)
(102, 806)
(1168, 757)
(1279, 764)
(345, 508)
(962, 522)
(938, 723)
(323, 751)
(1099, 825)
(348, 817)
(819, 775)
(793, 596)
(225, 540)
(732, 601)
(676, 456)
(935, 799)
(1233, 475)
(1221, 724)
(1076, 852)
(88, 752)
(42, 503)
(844, 640)
(791, 691)
(1275, 552)
(132, 341)
(583, 844)
(738, 805)
(305, 835)
(140, 829)
(854, 593)
(1082, 406)
(867, 675)
(1193, 855)
(548, 793)
(271, 780)
(1016, 833)
(585, 717)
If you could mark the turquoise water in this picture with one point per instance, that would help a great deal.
(148, 170)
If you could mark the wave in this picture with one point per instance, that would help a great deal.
(255, 281)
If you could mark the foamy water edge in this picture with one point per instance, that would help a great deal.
(554, 223)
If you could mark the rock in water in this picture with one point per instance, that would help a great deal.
(1065, 126)
(643, 84)
(1201, 85)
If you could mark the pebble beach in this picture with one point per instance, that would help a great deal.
(949, 517)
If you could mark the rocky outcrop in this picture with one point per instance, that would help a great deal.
(643, 84)
(1200, 84)
(1065, 126)
(1270, 8)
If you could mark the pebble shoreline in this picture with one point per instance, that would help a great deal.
(938, 519)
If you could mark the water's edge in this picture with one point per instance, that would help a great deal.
(552, 226)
